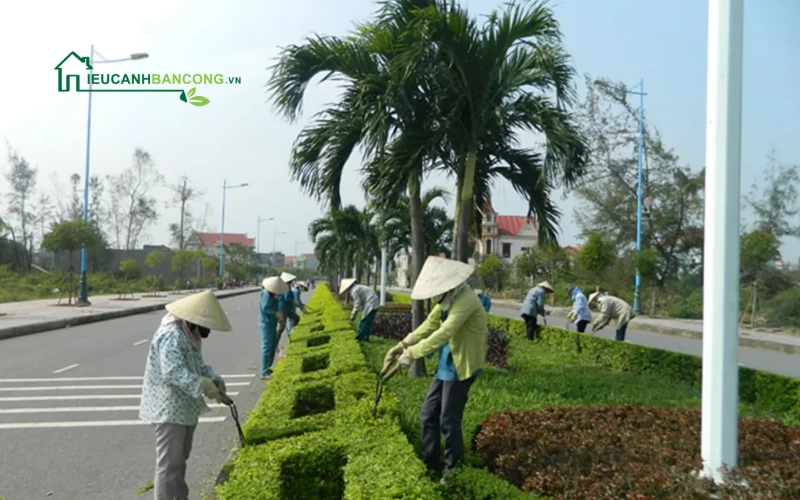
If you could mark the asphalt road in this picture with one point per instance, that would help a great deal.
(69, 429)
(768, 361)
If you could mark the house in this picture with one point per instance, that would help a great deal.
(307, 261)
(505, 236)
(70, 70)
(209, 242)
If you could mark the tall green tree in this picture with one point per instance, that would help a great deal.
(22, 178)
(509, 75)
(774, 200)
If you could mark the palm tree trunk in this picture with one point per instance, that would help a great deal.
(464, 216)
(418, 260)
(459, 188)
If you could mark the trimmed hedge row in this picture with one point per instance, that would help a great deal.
(768, 391)
(312, 434)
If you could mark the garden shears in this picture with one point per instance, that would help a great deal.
(384, 376)
(235, 415)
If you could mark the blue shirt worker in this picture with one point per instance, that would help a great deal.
(175, 380)
(457, 329)
(268, 313)
(533, 307)
(580, 313)
(486, 302)
(288, 305)
(365, 300)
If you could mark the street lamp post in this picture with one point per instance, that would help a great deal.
(258, 235)
(225, 188)
(83, 294)
(275, 235)
(295, 247)
(637, 293)
(719, 423)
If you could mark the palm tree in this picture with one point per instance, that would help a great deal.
(337, 239)
(493, 82)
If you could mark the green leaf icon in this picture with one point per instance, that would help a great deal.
(199, 100)
(192, 91)
(183, 96)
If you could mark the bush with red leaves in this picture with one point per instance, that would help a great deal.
(633, 452)
(397, 325)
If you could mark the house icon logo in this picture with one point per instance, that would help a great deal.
(77, 74)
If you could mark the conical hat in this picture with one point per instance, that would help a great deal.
(546, 285)
(440, 275)
(345, 284)
(275, 285)
(478, 292)
(288, 277)
(593, 297)
(202, 309)
(302, 284)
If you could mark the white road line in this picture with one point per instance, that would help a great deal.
(79, 387)
(141, 342)
(81, 397)
(89, 379)
(70, 367)
(77, 409)
(98, 423)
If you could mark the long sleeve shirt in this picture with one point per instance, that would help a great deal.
(612, 308)
(267, 308)
(297, 300)
(533, 304)
(364, 299)
(172, 391)
(581, 307)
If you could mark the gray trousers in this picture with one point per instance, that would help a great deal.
(173, 445)
(441, 414)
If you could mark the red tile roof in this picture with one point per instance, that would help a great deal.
(507, 225)
(211, 239)
(289, 259)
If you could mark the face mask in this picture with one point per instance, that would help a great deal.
(200, 330)
(445, 301)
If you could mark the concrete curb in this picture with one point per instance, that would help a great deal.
(46, 326)
(677, 332)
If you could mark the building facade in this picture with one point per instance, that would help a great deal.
(209, 242)
(505, 236)
(307, 261)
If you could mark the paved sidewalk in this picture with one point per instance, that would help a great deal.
(34, 316)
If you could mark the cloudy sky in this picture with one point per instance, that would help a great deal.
(239, 138)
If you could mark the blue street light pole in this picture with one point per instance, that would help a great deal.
(637, 293)
(83, 296)
(225, 188)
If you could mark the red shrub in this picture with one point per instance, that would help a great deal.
(633, 452)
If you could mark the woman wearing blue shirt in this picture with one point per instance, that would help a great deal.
(580, 313)
(273, 288)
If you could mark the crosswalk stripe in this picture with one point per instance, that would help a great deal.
(77, 409)
(97, 423)
(78, 397)
(80, 387)
(89, 379)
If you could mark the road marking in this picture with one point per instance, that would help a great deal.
(70, 367)
(89, 379)
(141, 342)
(79, 387)
(78, 397)
(76, 409)
(98, 423)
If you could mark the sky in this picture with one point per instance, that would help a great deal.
(238, 137)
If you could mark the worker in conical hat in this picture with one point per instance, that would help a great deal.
(268, 318)
(457, 329)
(533, 307)
(366, 301)
(175, 380)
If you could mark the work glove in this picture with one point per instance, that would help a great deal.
(572, 315)
(210, 389)
(353, 315)
(220, 383)
(280, 317)
(405, 360)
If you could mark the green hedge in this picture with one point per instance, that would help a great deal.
(312, 434)
(776, 393)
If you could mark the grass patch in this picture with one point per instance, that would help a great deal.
(315, 363)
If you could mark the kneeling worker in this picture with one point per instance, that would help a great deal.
(456, 327)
